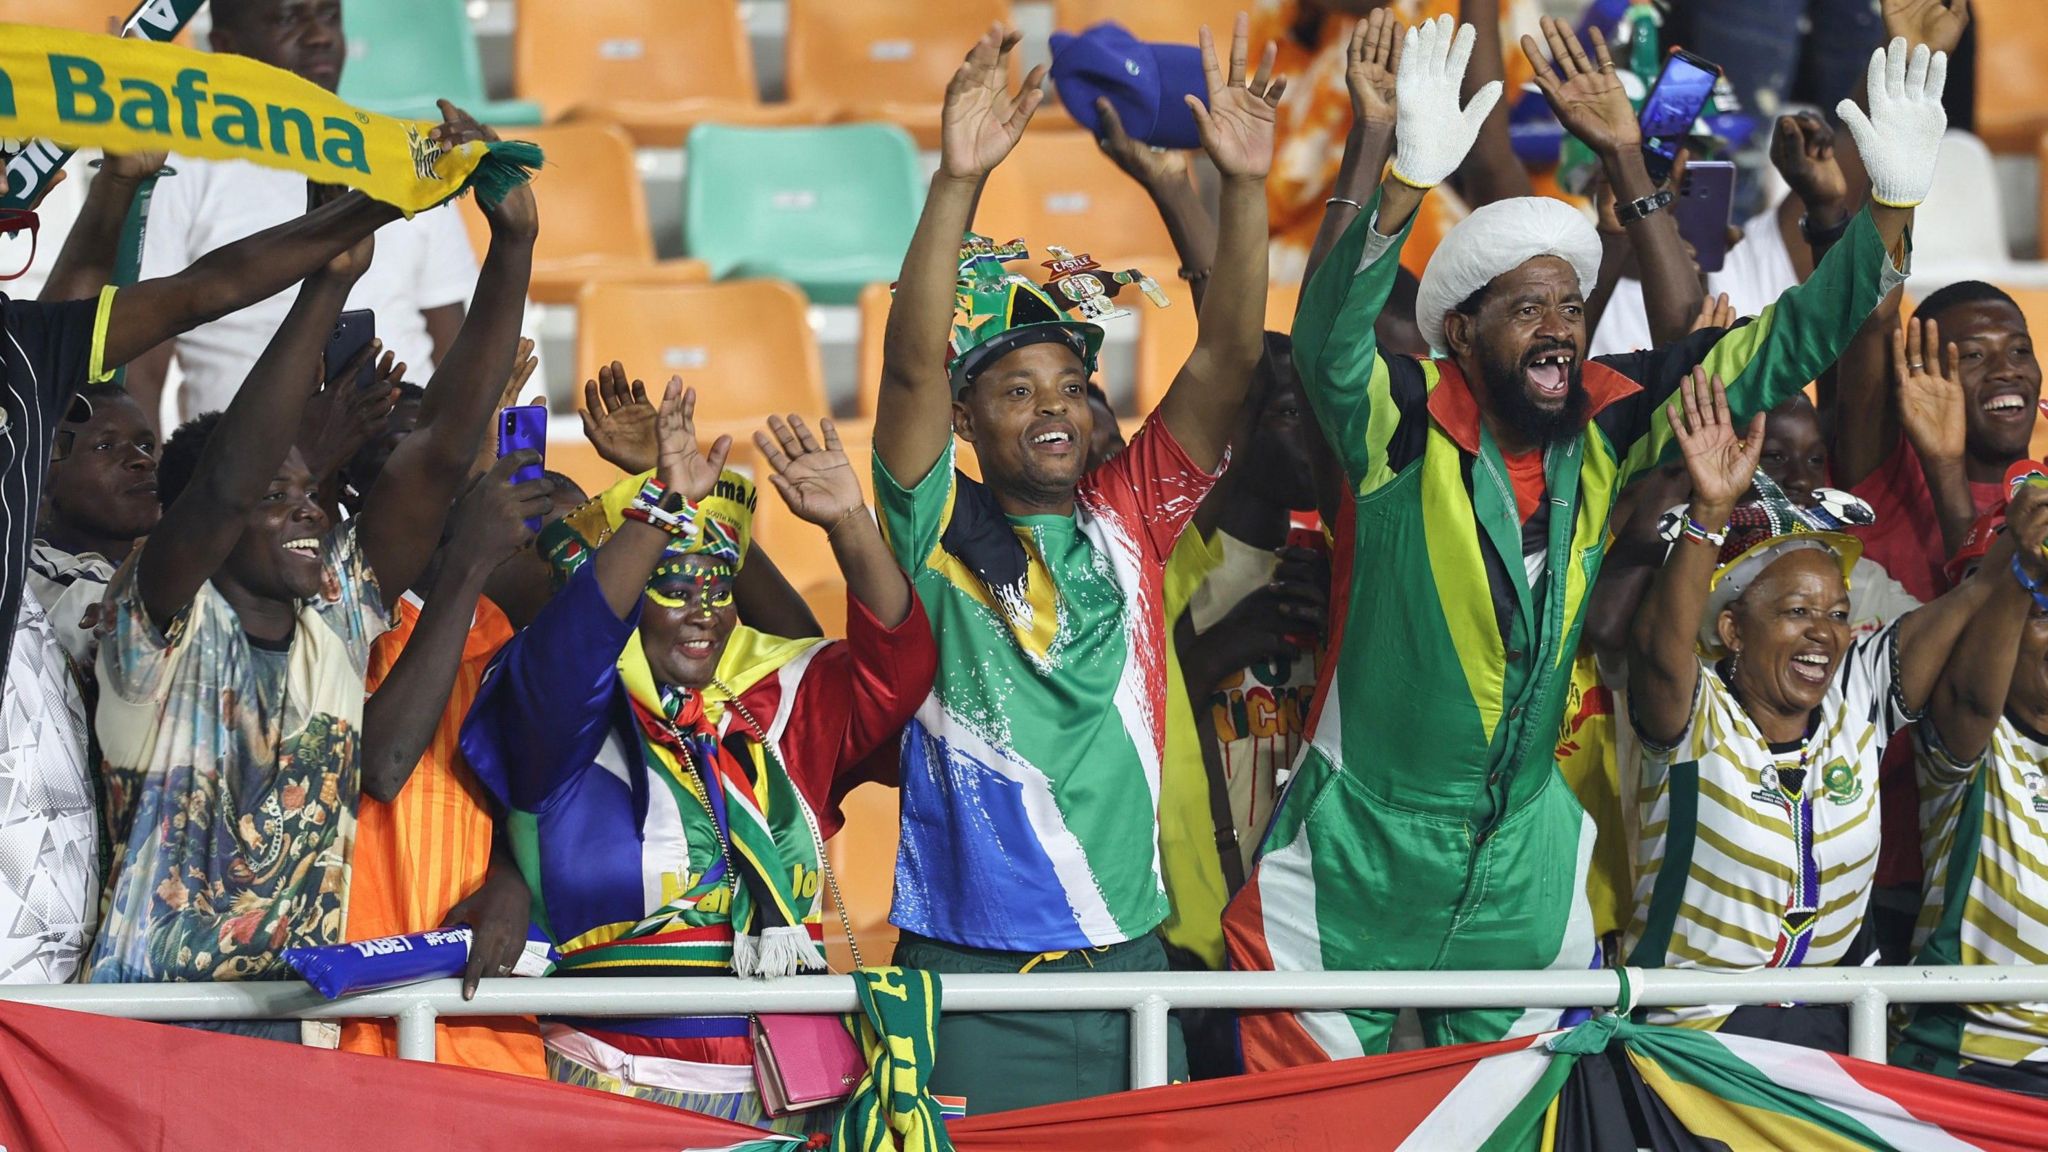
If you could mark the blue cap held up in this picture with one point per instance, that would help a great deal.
(1143, 82)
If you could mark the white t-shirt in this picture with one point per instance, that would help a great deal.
(49, 827)
(422, 263)
(1756, 273)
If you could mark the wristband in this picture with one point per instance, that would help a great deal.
(1817, 236)
(1695, 531)
(1645, 206)
(2033, 586)
(657, 507)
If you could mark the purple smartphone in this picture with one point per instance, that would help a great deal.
(1706, 202)
(521, 429)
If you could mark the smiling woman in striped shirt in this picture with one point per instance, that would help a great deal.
(1759, 764)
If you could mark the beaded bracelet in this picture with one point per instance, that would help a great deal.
(648, 508)
(1695, 531)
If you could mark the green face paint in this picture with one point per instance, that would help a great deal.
(692, 584)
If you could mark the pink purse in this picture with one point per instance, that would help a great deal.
(803, 1062)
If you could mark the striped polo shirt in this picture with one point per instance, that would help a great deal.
(1985, 846)
(1754, 855)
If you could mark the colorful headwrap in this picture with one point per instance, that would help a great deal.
(996, 311)
(1762, 530)
(725, 525)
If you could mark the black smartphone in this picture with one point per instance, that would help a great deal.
(355, 328)
(1675, 102)
(524, 428)
(1705, 208)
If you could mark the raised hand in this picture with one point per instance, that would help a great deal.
(490, 520)
(340, 418)
(134, 167)
(1931, 407)
(2026, 523)
(1433, 133)
(524, 362)
(1371, 64)
(1721, 463)
(982, 119)
(1715, 312)
(1584, 93)
(1901, 137)
(1149, 166)
(1939, 24)
(815, 479)
(1237, 124)
(618, 420)
(515, 215)
(1803, 152)
(682, 465)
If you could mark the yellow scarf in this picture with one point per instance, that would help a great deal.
(84, 89)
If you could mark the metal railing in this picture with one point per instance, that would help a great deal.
(1146, 996)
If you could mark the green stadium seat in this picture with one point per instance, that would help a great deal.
(405, 54)
(829, 208)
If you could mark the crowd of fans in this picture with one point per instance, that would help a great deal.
(1418, 638)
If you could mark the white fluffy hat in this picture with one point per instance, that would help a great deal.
(1497, 238)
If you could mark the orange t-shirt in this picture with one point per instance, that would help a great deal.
(1525, 472)
(422, 854)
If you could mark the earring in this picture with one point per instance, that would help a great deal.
(1734, 663)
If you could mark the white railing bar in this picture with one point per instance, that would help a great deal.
(1055, 992)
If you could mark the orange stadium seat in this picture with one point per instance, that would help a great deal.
(874, 317)
(2034, 302)
(1154, 21)
(596, 216)
(2012, 87)
(884, 59)
(656, 68)
(76, 15)
(863, 855)
(745, 345)
(1058, 188)
(1167, 335)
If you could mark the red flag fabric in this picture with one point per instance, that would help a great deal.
(73, 1082)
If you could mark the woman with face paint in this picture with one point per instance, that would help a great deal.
(674, 769)
(1759, 759)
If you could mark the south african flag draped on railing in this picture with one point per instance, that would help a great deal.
(1606, 1085)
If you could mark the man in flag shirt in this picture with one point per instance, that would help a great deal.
(1426, 825)
(1030, 774)
(1984, 804)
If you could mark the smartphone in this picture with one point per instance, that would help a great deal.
(1674, 104)
(355, 328)
(520, 429)
(1705, 207)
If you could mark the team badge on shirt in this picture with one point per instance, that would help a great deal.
(1840, 783)
(2038, 785)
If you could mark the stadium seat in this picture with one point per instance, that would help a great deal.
(863, 855)
(746, 345)
(76, 15)
(2034, 302)
(1154, 21)
(884, 59)
(656, 68)
(1058, 188)
(403, 55)
(1961, 222)
(830, 208)
(2012, 88)
(596, 216)
(1167, 335)
(874, 317)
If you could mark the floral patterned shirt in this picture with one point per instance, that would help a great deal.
(233, 820)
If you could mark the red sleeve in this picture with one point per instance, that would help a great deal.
(1906, 539)
(854, 699)
(1151, 486)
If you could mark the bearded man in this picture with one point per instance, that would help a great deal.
(1426, 825)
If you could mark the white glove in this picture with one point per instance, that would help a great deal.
(1901, 138)
(1432, 133)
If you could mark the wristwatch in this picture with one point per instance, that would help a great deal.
(1635, 210)
(1815, 237)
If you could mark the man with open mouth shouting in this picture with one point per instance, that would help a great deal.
(1426, 825)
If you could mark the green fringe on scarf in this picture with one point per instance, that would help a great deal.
(506, 165)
